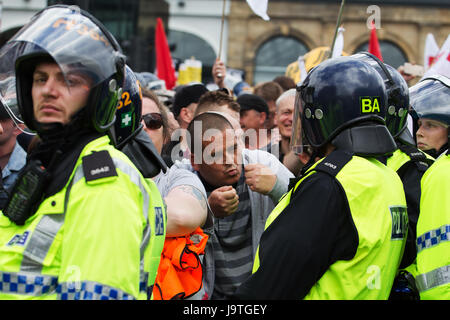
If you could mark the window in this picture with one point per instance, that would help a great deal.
(391, 53)
(186, 45)
(274, 55)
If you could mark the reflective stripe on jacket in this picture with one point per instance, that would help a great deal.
(91, 240)
(433, 232)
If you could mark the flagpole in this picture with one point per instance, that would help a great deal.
(338, 24)
(221, 29)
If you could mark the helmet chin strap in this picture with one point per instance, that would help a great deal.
(58, 130)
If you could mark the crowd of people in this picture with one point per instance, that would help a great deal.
(115, 188)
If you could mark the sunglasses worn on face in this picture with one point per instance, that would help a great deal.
(152, 120)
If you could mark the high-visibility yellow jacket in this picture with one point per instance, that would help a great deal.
(378, 209)
(433, 232)
(97, 238)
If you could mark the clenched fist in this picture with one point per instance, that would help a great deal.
(223, 201)
(259, 178)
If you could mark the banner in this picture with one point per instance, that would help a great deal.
(339, 44)
(441, 64)
(164, 66)
(259, 7)
(431, 51)
(374, 46)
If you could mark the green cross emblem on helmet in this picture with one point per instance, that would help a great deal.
(126, 119)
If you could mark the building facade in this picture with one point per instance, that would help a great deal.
(262, 49)
(402, 29)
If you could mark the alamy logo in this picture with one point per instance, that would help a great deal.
(99, 170)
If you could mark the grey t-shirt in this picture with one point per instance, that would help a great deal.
(175, 177)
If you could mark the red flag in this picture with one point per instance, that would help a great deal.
(374, 46)
(164, 67)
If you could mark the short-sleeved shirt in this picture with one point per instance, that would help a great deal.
(175, 177)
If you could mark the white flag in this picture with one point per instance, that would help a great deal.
(302, 68)
(441, 64)
(431, 51)
(259, 7)
(339, 43)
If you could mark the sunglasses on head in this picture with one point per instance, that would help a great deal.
(152, 120)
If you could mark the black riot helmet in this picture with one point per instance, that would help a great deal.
(398, 97)
(77, 43)
(128, 134)
(342, 101)
(129, 109)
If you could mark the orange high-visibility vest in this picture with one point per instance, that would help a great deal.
(180, 272)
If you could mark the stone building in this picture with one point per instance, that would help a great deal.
(263, 49)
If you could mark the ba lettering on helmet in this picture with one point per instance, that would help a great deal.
(370, 105)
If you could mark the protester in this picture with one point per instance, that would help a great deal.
(430, 100)
(183, 108)
(219, 72)
(284, 119)
(285, 82)
(187, 214)
(242, 186)
(185, 103)
(343, 224)
(269, 91)
(88, 210)
(253, 114)
(218, 101)
(12, 155)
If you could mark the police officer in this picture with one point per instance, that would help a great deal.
(79, 223)
(340, 231)
(409, 162)
(430, 99)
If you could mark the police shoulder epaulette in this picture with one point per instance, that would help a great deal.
(98, 165)
(334, 162)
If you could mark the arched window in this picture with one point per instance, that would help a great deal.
(186, 45)
(274, 55)
(392, 54)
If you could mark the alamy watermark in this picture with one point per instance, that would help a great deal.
(374, 18)
(214, 146)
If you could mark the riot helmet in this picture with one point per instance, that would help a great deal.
(129, 109)
(398, 97)
(78, 43)
(342, 101)
(430, 99)
(128, 134)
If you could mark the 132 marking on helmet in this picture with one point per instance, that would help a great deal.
(369, 104)
(125, 100)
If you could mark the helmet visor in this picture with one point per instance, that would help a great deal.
(73, 40)
(430, 99)
(8, 96)
(297, 137)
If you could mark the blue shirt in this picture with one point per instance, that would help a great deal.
(16, 162)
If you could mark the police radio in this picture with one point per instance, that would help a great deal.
(26, 192)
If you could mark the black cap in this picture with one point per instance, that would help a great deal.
(250, 101)
(187, 95)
